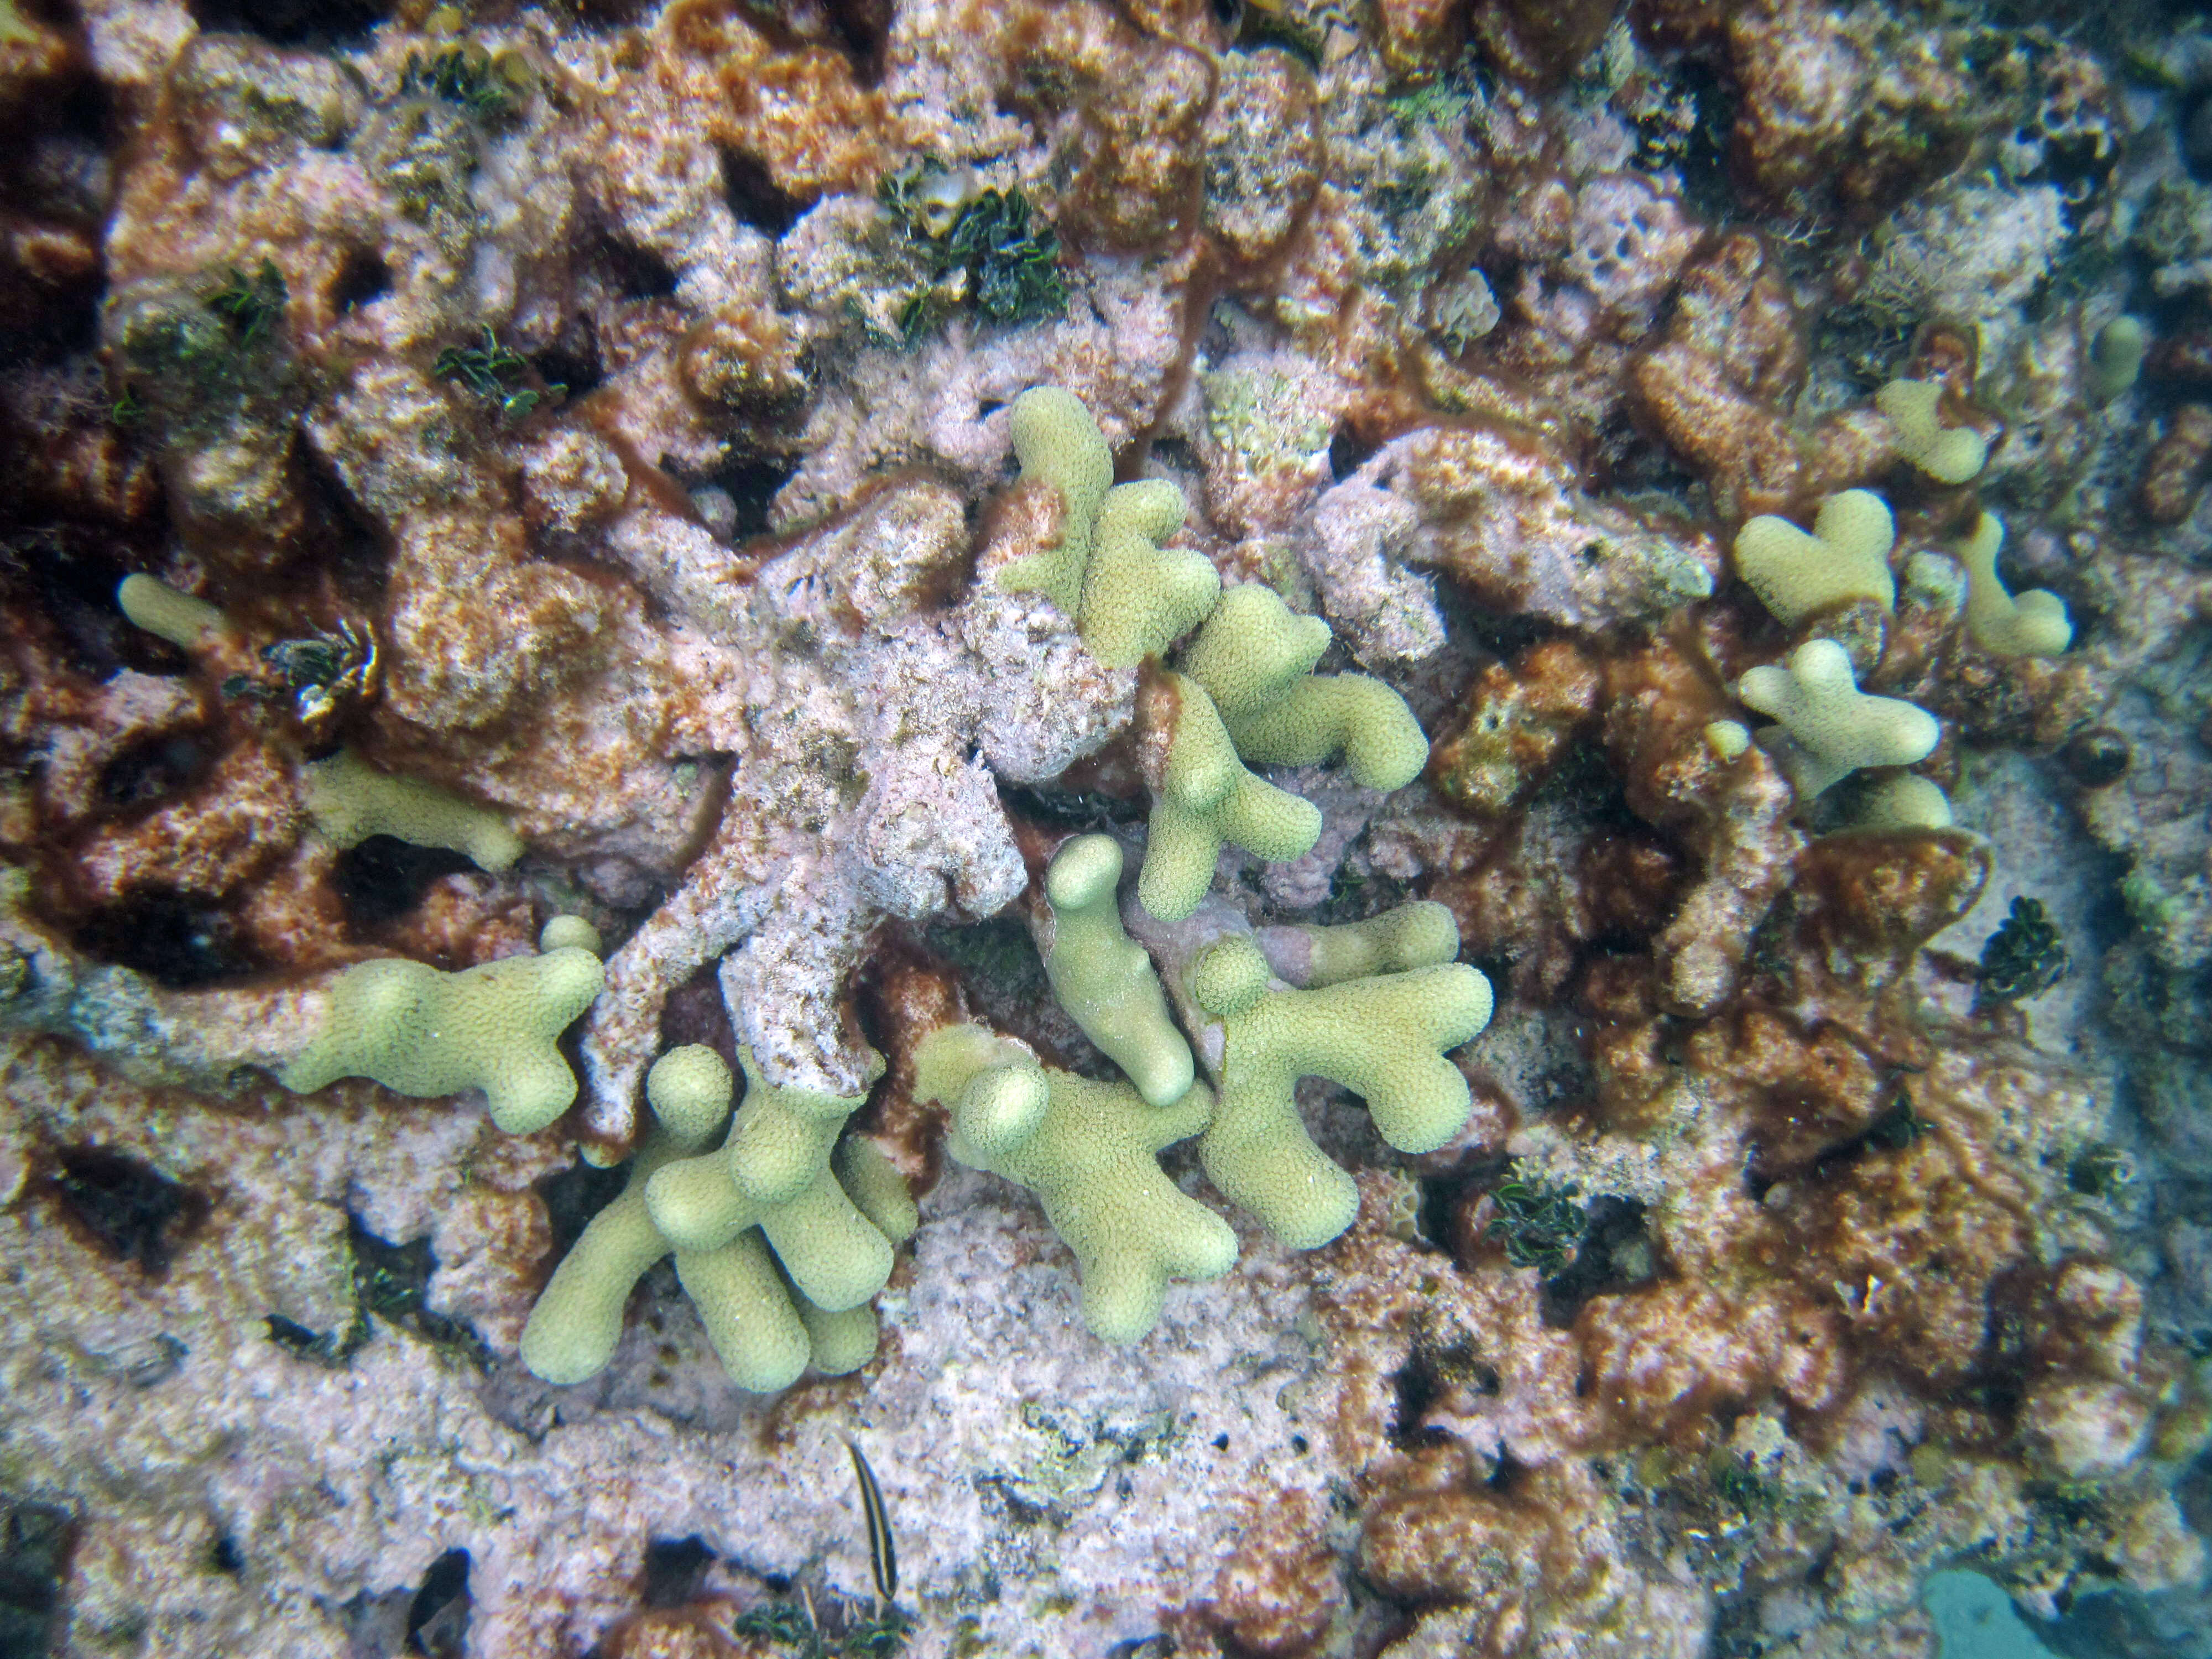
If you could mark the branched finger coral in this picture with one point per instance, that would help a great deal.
(2030, 624)
(1104, 978)
(419, 1031)
(1831, 728)
(351, 800)
(1203, 796)
(1417, 935)
(764, 1328)
(1254, 659)
(1089, 1152)
(1949, 454)
(1383, 1037)
(773, 1174)
(1845, 557)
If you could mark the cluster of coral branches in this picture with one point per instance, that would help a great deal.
(1537, 670)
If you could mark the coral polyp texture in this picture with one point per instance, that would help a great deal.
(1438, 770)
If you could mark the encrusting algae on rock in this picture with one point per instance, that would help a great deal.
(1438, 773)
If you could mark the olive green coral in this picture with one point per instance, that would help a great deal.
(1828, 727)
(186, 622)
(1104, 978)
(1845, 557)
(1056, 442)
(350, 801)
(1417, 935)
(2030, 624)
(1140, 598)
(763, 1330)
(1202, 796)
(1948, 454)
(1129, 596)
(1254, 658)
(419, 1031)
(1089, 1152)
(1383, 1037)
(773, 1174)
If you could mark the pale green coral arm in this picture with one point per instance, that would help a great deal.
(1088, 1151)
(1139, 597)
(1252, 650)
(421, 1032)
(572, 1329)
(756, 1333)
(1205, 797)
(1416, 935)
(1056, 440)
(1383, 1037)
(1104, 978)
(1328, 714)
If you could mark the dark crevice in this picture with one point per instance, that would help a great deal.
(1415, 1386)
(753, 484)
(153, 770)
(572, 362)
(130, 1210)
(1347, 452)
(1615, 1254)
(174, 942)
(638, 273)
(754, 195)
(573, 1196)
(391, 1281)
(358, 554)
(438, 1618)
(674, 1570)
(384, 877)
(68, 577)
(362, 278)
(35, 1542)
(295, 22)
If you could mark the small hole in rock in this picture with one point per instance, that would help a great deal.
(674, 1569)
(153, 770)
(1347, 454)
(173, 941)
(295, 22)
(35, 1543)
(752, 485)
(754, 195)
(638, 272)
(364, 276)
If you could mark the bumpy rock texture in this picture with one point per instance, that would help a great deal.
(599, 412)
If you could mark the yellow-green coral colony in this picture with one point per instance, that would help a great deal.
(2030, 624)
(1949, 455)
(1831, 728)
(1104, 979)
(1089, 1150)
(1246, 690)
(1845, 557)
(350, 801)
(764, 1330)
(186, 622)
(1254, 658)
(419, 1031)
(1383, 1036)
(1204, 796)
(775, 1174)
